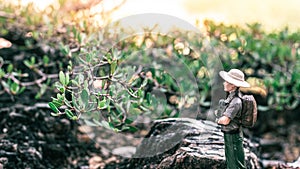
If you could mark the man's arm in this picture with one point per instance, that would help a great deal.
(224, 120)
(231, 111)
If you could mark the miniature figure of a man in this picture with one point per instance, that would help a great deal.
(227, 114)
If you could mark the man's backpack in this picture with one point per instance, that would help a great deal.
(249, 111)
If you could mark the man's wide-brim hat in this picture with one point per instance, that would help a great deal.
(235, 77)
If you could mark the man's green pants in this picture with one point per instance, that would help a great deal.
(234, 152)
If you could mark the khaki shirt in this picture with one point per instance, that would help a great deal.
(231, 107)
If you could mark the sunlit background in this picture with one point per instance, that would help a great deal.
(272, 14)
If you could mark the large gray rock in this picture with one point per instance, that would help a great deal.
(185, 143)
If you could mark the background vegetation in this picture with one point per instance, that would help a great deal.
(96, 79)
(85, 70)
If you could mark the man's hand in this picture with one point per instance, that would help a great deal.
(224, 120)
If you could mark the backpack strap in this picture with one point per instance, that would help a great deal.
(238, 117)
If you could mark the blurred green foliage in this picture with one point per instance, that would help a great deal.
(91, 75)
(273, 57)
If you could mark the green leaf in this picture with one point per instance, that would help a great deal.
(67, 80)
(108, 107)
(118, 75)
(97, 122)
(74, 118)
(108, 57)
(143, 108)
(46, 60)
(32, 60)
(85, 97)
(67, 102)
(62, 78)
(54, 114)
(53, 107)
(14, 88)
(88, 57)
(145, 82)
(69, 113)
(90, 123)
(130, 128)
(135, 111)
(80, 79)
(59, 86)
(86, 85)
(10, 68)
(102, 104)
(74, 82)
(106, 124)
(113, 67)
(74, 102)
(140, 92)
(65, 50)
(60, 97)
(22, 90)
(42, 91)
(293, 105)
(56, 102)
(2, 73)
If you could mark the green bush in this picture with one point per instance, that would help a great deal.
(97, 76)
(273, 57)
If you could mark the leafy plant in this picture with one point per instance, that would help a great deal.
(94, 77)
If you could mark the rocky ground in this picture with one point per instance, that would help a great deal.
(31, 138)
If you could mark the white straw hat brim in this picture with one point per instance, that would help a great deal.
(236, 82)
